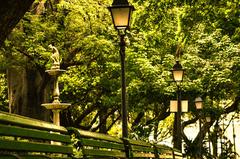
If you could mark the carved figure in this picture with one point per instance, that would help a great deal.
(55, 56)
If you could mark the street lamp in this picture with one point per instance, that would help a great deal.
(208, 119)
(199, 106)
(121, 15)
(199, 103)
(177, 73)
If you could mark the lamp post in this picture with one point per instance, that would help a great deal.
(208, 119)
(199, 106)
(234, 138)
(177, 73)
(121, 15)
(215, 142)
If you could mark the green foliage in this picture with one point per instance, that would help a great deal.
(205, 34)
(3, 93)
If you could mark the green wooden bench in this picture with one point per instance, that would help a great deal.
(177, 154)
(140, 149)
(165, 152)
(27, 138)
(97, 145)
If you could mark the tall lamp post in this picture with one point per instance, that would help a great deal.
(177, 73)
(234, 138)
(121, 15)
(199, 106)
(208, 119)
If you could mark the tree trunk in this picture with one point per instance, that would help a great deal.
(27, 90)
(103, 120)
(11, 11)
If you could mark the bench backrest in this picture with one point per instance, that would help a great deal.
(97, 145)
(177, 154)
(165, 152)
(22, 137)
(140, 149)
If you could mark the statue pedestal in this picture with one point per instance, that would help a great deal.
(56, 106)
(55, 72)
(56, 109)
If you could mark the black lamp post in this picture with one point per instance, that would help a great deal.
(199, 106)
(234, 138)
(177, 73)
(208, 119)
(121, 15)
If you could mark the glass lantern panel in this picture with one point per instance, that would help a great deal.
(120, 17)
(184, 104)
(208, 119)
(198, 105)
(178, 75)
(173, 106)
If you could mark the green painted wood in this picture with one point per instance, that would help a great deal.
(142, 148)
(29, 122)
(143, 155)
(106, 153)
(177, 154)
(178, 157)
(14, 145)
(138, 142)
(166, 156)
(7, 156)
(164, 151)
(163, 147)
(43, 157)
(167, 152)
(103, 144)
(97, 145)
(30, 157)
(88, 134)
(30, 133)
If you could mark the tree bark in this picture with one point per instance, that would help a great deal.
(27, 90)
(11, 11)
(103, 120)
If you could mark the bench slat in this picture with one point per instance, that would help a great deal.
(96, 152)
(27, 138)
(178, 157)
(30, 157)
(88, 134)
(138, 142)
(34, 147)
(142, 148)
(167, 152)
(103, 144)
(29, 122)
(166, 156)
(95, 145)
(143, 155)
(30, 133)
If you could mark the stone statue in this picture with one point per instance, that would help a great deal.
(55, 57)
